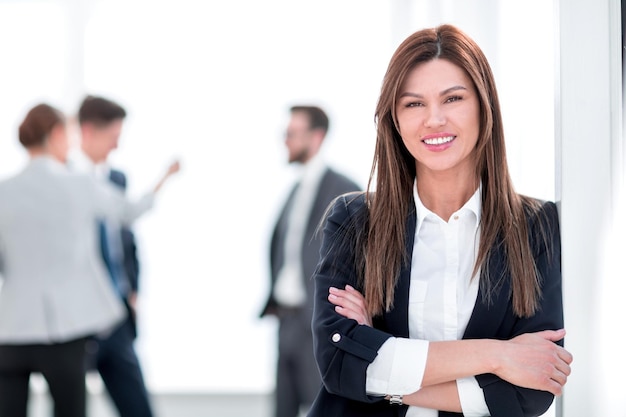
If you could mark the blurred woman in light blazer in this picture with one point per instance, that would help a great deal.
(55, 291)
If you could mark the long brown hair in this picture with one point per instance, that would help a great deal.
(503, 219)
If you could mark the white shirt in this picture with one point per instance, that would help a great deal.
(80, 162)
(442, 295)
(289, 288)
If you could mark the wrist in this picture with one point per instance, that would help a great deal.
(493, 355)
(394, 399)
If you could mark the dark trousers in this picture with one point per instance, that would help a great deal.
(61, 364)
(297, 377)
(115, 359)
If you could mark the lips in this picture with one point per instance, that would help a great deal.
(438, 140)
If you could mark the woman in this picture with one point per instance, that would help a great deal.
(439, 288)
(55, 292)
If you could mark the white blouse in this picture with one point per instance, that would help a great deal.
(442, 295)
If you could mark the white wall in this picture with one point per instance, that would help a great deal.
(591, 165)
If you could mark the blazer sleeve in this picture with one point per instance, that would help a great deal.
(503, 398)
(343, 348)
(109, 201)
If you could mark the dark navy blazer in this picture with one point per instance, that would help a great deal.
(131, 262)
(344, 349)
(332, 185)
(129, 248)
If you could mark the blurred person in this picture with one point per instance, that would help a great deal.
(294, 253)
(114, 357)
(55, 293)
(439, 291)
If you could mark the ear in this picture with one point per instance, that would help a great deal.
(58, 142)
(56, 133)
(85, 129)
(318, 136)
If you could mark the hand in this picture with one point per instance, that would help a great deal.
(132, 301)
(173, 168)
(350, 304)
(533, 360)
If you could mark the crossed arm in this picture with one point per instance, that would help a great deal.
(531, 360)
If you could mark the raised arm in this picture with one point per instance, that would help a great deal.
(171, 170)
(110, 202)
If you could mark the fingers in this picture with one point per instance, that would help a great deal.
(536, 362)
(174, 167)
(350, 304)
(562, 367)
(346, 298)
(565, 355)
(559, 379)
(552, 335)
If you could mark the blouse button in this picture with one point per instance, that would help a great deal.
(336, 337)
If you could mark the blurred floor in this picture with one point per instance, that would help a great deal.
(165, 405)
(171, 405)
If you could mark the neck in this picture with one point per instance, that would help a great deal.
(444, 195)
(36, 151)
(91, 157)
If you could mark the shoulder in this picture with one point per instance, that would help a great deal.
(348, 205)
(542, 218)
(540, 212)
(340, 180)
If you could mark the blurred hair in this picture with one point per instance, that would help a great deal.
(317, 117)
(37, 125)
(99, 111)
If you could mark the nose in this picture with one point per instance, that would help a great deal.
(435, 116)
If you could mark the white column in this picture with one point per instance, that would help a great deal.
(588, 131)
(77, 13)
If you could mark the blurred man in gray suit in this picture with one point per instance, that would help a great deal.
(294, 253)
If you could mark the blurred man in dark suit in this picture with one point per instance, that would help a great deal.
(114, 357)
(294, 253)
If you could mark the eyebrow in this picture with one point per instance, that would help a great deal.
(443, 93)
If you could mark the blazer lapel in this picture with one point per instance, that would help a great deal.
(397, 320)
(489, 312)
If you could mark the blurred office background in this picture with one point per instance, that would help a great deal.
(210, 82)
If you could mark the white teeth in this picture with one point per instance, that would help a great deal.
(438, 141)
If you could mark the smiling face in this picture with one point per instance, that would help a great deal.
(438, 115)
